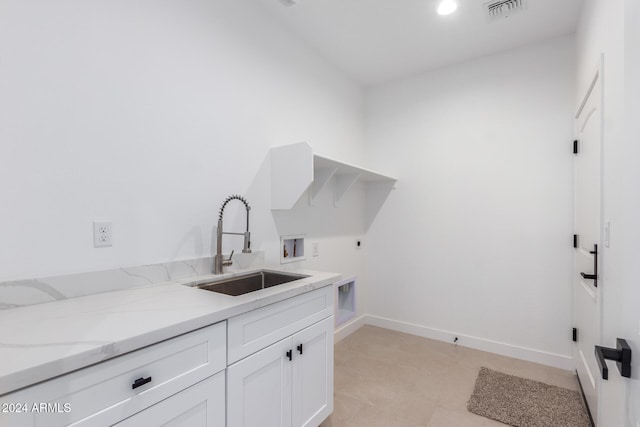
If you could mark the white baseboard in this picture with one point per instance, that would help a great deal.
(348, 328)
(517, 352)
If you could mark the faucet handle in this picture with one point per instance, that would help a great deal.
(228, 262)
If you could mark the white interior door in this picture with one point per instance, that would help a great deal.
(586, 294)
(620, 397)
(630, 327)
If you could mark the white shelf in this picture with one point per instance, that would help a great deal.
(296, 169)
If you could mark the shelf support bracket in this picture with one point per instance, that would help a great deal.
(320, 179)
(343, 183)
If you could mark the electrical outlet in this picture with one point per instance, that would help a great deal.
(102, 234)
(315, 249)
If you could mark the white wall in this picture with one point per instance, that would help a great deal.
(609, 27)
(148, 114)
(476, 241)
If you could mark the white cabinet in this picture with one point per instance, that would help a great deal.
(257, 329)
(259, 388)
(111, 391)
(279, 373)
(201, 405)
(289, 383)
(312, 382)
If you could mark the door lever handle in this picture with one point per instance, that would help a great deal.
(589, 276)
(621, 354)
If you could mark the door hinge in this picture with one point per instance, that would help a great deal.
(575, 241)
(575, 335)
(575, 146)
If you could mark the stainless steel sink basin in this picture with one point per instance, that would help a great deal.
(251, 282)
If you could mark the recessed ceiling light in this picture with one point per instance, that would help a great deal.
(447, 7)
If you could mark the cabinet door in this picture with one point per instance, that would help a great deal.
(259, 388)
(313, 374)
(201, 405)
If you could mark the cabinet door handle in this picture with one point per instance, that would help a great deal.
(290, 355)
(300, 348)
(140, 382)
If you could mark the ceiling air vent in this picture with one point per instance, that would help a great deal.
(502, 9)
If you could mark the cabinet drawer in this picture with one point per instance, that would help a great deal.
(257, 329)
(102, 394)
(201, 405)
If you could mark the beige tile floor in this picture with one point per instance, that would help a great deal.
(390, 379)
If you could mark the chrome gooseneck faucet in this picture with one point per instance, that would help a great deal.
(218, 260)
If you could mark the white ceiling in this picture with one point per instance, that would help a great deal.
(375, 41)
